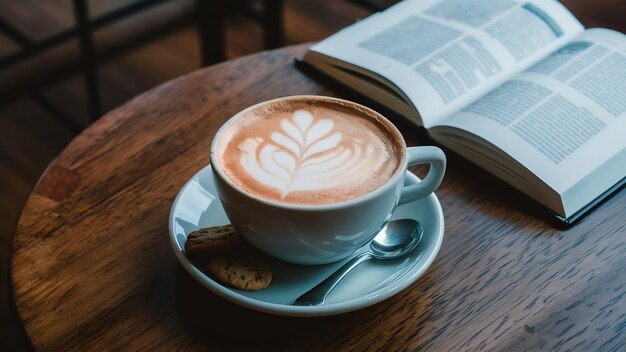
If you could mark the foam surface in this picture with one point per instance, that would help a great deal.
(309, 151)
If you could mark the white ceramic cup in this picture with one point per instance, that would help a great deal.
(320, 234)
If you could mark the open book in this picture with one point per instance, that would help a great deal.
(518, 87)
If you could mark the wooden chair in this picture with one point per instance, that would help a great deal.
(210, 15)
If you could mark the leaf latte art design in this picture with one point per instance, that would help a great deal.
(304, 155)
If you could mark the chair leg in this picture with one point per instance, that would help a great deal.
(210, 16)
(273, 24)
(83, 24)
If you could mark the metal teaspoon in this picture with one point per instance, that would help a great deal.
(396, 239)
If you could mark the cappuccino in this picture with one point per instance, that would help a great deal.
(309, 150)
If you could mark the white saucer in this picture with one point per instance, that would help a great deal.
(197, 205)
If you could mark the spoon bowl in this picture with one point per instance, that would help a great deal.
(396, 239)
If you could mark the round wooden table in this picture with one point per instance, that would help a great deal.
(93, 268)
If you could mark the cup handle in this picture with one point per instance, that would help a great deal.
(420, 155)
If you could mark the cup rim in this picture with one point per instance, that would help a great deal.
(217, 168)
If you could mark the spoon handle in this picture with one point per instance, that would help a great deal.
(317, 295)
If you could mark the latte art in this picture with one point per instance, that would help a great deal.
(306, 155)
(309, 152)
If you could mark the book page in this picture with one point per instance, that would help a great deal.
(563, 117)
(444, 54)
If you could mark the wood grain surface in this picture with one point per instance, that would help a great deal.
(92, 267)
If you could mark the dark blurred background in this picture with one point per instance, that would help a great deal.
(63, 63)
